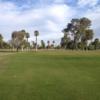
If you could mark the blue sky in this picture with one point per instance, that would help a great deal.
(47, 16)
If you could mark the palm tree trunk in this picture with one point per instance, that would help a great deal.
(27, 44)
(36, 44)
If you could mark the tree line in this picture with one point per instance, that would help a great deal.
(78, 35)
(20, 41)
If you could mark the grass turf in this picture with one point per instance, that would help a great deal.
(50, 75)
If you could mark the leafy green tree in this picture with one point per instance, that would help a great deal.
(36, 34)
(65, 39)
(6, 45)
(1, 37)
(42, 44)
(80, 30)
(1, 41)
(18, 38)
(96, 44)
(70, 45)
(88, 35)
(3, 44)
(91, 46)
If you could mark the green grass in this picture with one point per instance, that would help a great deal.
(50, 75)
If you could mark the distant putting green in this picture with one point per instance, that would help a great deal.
(50, 75)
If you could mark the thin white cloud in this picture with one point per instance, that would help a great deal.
(59, 1)
(6, 6)
(89, 3)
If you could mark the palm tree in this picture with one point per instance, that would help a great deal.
(27, 36)
(53, 42)
(48, 42)
(36, 33)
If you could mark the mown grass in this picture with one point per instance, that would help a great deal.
(50, 75)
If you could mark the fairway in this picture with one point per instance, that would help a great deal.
(50, 75)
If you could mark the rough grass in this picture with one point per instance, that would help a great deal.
(50, 75)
